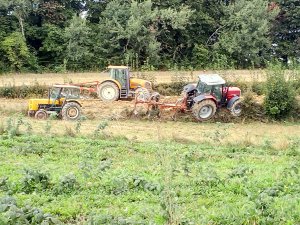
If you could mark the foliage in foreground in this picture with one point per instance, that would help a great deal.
(111, 181)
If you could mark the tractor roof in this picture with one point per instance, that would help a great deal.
(211, 79)
(65, 86)
(117, 67)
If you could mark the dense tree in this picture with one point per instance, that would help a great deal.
(286, 30)
(16, 51)
(52, 48)
(243, 35)
(77, 36)
(129, 31)
(88, 34)
(18, 8)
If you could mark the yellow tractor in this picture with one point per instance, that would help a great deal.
(62, 101)
(122, 86)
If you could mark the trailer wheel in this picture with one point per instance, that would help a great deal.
(41, 114)
(204, 110)
(71, 111)
(108, 92)
(236, 108)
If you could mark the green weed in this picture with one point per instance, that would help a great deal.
(35, 180)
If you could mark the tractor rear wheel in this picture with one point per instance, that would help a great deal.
(236, 108)
(108, 92)
(142, 94)
(71, 111)
(204, 110)
(41, 114)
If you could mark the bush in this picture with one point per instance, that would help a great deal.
(35, 180)
(174, 88)
(11, 213)
(12, 91)
(67, 184)
(280, 96)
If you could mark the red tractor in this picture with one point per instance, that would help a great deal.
(203, 99)
(210, 94)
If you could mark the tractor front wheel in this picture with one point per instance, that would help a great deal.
(108, 92)
(204, 110)
(41, 114)
(71, 111)
(236, 108)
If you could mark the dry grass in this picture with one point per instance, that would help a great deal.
(241, 134)
(161, 76)
(13, 106)
(97, 111)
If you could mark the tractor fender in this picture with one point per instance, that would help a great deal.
(231, 101)
(74, 101)
(112, 81)
(200, 98)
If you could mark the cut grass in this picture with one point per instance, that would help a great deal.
(277, 135)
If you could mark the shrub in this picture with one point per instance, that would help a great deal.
(259, 87)
(251, 108)
(35, 180)
(100, 129)
(4, 184)
(67, 184)
(174, 88)
(11, 213)
(280, 97)
(24, 91)
(12, 127)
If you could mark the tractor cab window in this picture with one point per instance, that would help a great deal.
(217, 91)
(70, 93)
(119, 75)
(203, 88)
(54, 93)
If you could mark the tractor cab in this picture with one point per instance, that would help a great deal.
(211, 85)
(62, 101)
(63, 92)
(120, 74)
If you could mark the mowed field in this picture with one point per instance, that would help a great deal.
(160, 76)
(122, 122)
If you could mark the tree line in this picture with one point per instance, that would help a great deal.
(85, 35)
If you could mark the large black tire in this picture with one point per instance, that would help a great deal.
(142, 94)
(41, 114)
(236, 108)
(108, 92)
(71, 111)
(204, 110)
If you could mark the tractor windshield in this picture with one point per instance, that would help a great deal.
(54, 93)
(203, 88)
(119, 75)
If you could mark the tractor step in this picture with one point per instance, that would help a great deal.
(123, 93)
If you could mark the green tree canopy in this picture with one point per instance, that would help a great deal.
(128, 31)
(243, 34)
